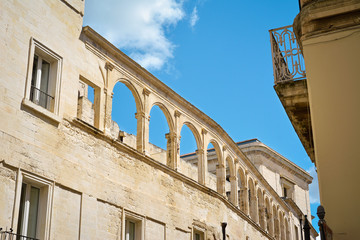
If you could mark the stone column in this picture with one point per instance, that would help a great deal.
(142, 136)
(143, 120)
(108, 109)
(234, 191)
(201, 165)
(108, 98)
(270, 221)
(255, 209)
(220, 179)
(276, 228)
(244, 203)
(262, 216)
(172, 150)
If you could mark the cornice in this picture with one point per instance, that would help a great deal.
(319, 17)
(279, 159)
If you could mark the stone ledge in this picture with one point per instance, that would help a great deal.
(38, 110)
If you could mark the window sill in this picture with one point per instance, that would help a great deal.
(40, 110)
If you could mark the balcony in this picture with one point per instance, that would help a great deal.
(290, 83)
(9, 235)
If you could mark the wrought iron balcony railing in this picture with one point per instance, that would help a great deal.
(288, 62)
(9, 235)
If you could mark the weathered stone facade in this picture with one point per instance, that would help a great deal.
(91, 181)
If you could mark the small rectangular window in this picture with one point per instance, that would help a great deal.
(198, 235)
(43, 81)
(133, 228)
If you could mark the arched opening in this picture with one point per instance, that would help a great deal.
(268, 217)
(229, 166)
(123, 124)
(261, 208)
(213, 165)
(282, 226)
(287, 229)
(252, 199)
(242, 189)
(158, 130)
(189, 156)
(276, 223)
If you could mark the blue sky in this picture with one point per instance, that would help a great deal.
(216, 54)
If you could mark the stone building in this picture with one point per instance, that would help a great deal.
(68, 172)
(323, 102)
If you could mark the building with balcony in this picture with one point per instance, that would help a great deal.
(323, 102)
(68, 172)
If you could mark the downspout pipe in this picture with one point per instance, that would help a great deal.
(223, 226)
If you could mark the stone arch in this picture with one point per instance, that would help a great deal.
(230, 162)
(168, 157)
(195, 132)
(196, 169)
(166, 113)
(219, 167)
(242, 185)
(139, 105)
(261, 210)
(276, 222)
(269, 217)
(287, 229)
(134, 91)
(252, 199)
(282, 225)
(232, 192)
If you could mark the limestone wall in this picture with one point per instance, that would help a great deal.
(94, 181)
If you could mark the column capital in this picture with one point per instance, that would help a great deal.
(109, 66)
(170, 135)
(199, 151)
(142, 115)
(232, 178)
(146, 92)
(204, 131)
(177, 113)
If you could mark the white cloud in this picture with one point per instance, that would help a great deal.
(314, 186)
(194, 18)
(139, 26)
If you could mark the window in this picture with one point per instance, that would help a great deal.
(33, 206)
(287, 188)
(28, 214)
(133, 228)
(43, 79)
(198, 235)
